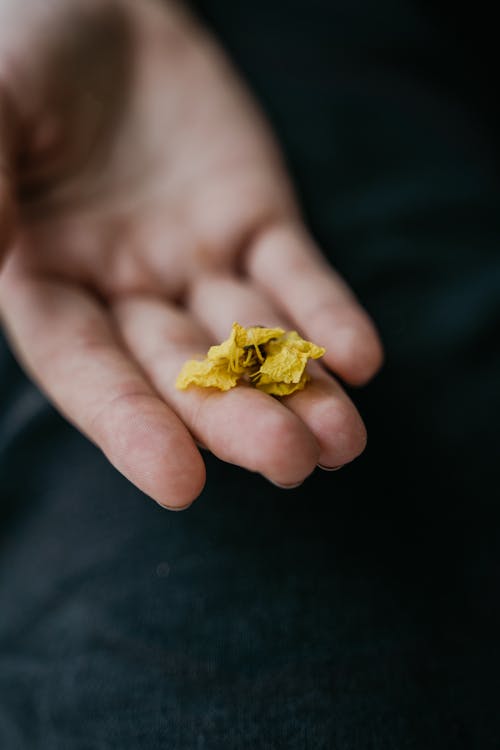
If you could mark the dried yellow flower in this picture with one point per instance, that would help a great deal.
(268, 358)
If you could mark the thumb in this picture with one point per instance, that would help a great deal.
(7, 191)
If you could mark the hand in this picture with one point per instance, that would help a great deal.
(143, 208)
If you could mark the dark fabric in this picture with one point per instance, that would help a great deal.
(360, 612)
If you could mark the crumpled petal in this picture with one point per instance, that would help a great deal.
(228, 350)
(206, 373)
(284, 364)
(282, 389)
(256, 335)
(286, 360)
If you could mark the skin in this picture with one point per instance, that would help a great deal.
(144, 207)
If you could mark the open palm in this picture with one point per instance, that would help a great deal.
(146, 209)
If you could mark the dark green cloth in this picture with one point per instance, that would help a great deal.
(360, 612)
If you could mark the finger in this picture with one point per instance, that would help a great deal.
(67, 343)
(7, 206)
(241, 426)
(286, 264)
(323, 406)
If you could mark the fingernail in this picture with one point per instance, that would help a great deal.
(330, 468)
(176, 508)
(286, 486)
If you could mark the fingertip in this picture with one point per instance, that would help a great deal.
(186, 485)
(177, 480)
(333, 420)
(175, 508)
(357, 353)
(341, 434)
(288, 450)
(150, 446)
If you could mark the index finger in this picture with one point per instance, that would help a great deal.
(285, 262)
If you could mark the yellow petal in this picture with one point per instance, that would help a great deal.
(293, 340)
(255, 335)
(283, 389)
(228, 350)
(284, 365)
(287, 358)
(206, 373)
